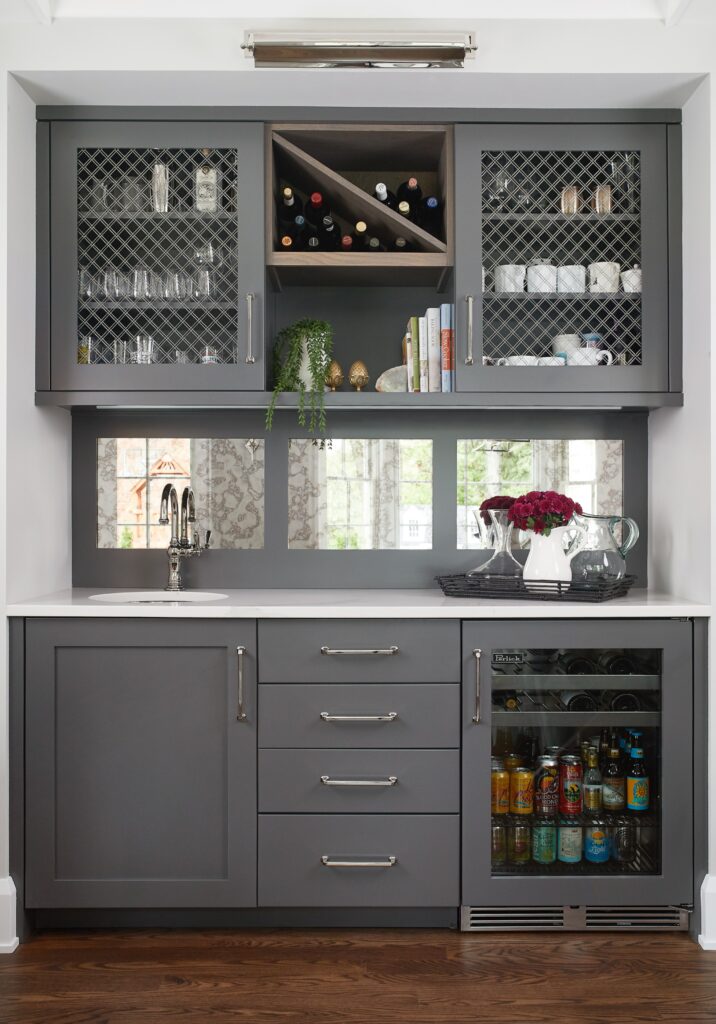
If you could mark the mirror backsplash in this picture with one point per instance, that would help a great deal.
(226, 475)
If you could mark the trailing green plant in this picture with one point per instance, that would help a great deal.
(287, 357)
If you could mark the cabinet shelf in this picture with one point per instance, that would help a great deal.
(151, 305)
(597, 719)
(647, 819)
(563, 218)
(336, 268)
(160, 218)
(561, 296)
(557, 681)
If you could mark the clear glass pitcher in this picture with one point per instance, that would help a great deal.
(602, 556)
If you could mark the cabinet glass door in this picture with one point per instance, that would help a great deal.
(571, 223)
(167, 282)
(587, 748)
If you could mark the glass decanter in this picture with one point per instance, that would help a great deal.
(499, 537)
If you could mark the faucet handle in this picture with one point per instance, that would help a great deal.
(208, 540)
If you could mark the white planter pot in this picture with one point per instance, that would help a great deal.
(304, 370)
(548, 559)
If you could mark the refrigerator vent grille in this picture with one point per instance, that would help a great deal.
(667, 918)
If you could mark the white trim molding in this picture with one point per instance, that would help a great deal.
(707, 937)
(8, 903)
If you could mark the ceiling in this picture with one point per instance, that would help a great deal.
(670, 12)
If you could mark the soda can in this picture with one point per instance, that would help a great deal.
(522, 791)
(544, 842)
(552, 752)
(547, 786)
(500, 790)
(570, 784)
(497, 762)
(569, 844)
(513, 761)
(596, 842)
(518, 844)
(499, 844)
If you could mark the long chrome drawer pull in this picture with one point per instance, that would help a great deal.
(326, 716)
(240, 711)
(477, 652)
(385, 650)
(250, 328)
(333, 862)
(469, 359)
(389, 781)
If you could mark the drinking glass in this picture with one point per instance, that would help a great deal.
(206, 253)
(112, 286)
(87, 350)
(120, 352)
(181, 357)
(203, 285)
(143, 348)
(209, 356)
(131, 195)
(141, 285)
(177, 286)
(86, 288)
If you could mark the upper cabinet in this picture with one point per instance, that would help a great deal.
(157, 263)
(562, 259)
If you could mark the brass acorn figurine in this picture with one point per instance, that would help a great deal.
(358, 375)
(334, 375)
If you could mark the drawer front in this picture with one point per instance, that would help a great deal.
(424, 651)
(359, 781)
(425, 871)
(359, 716)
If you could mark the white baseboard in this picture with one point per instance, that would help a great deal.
(8, 903)
(707, 938)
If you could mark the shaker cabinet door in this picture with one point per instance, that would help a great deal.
(157, 256)
(141, 788)
(562, 258)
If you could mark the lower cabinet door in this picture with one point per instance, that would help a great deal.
(141, 776)
(359, 860)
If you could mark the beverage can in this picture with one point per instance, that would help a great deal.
(499, 844)
(569, 844)
(518, 844)
(513, 761)
(544, 843)
(637, 793)
(596, 842)
(546, 786)
(570, 784)
(500, 790)
(521, 791)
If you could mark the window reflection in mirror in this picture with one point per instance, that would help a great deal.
(226, 475)
(589, 471)
(360, 494)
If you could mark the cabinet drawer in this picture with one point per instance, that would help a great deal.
(424, 872)
(359, 781)
(359, 716)
(350, 651)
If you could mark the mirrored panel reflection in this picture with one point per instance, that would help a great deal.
(226, 475)
(360, 494)
(589, 471)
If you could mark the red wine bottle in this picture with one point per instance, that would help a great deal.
(313, 242)
(316, 209)
(289, 205)
(410, 192)
(288, 243)
(360, 235)
(431, 215)
(347, 243)
(401, 244)
(383, 194)
(405, 208)
(375, 245)
(330, 233)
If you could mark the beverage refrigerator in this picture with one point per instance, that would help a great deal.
(577, 803)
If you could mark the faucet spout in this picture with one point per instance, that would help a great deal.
(169, 498)
(179, 546)
(188, 515)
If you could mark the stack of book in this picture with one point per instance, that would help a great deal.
(430, 349)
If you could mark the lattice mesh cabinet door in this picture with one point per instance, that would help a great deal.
(158, 272)
(562, 254)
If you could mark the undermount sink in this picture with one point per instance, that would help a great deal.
(158, 597)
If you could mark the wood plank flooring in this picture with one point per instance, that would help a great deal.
(356, 977)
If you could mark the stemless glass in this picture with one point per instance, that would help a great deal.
(143, 349)
(203, 285)
(177, 286)
(141, 285)
(112, 285)
(86, 288)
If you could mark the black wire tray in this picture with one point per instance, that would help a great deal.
(507, 587)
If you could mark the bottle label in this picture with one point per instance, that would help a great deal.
(614, 794)
(638, 794)
(207, 189)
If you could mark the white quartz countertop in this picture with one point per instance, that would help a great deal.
(357, 604)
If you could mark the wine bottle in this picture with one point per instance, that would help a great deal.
(384, 195)
(330, 233)
(207, 186)
(313, 242)
(405, 208)
(430, 212)
(347, 243)
(289, 206)
(409, 191)
(316, 209)
(288, 243)
(400, 244)
(360, 236)
(375, 245)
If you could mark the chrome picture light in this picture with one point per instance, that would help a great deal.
(387, 51)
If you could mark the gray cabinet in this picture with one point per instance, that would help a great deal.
(154, 293)
(568, 683)
(140, 776)
(571, 196)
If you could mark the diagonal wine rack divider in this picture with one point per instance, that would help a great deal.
(351, 202)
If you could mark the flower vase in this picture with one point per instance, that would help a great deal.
(304, 370)
(548, 560)
(499, 534)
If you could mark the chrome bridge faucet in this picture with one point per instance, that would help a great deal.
(179, 544)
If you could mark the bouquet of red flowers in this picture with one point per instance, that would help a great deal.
(542, 511)
(500, 501)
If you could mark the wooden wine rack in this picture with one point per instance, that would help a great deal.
(344, 162)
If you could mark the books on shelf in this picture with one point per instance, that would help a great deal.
(430, 350)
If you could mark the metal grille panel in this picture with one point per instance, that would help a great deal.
(582, 918)
(524, 196)
(188, 301)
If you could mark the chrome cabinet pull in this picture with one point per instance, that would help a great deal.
(240, 711)
(389, 781)
(469, 354)
(250, 328)
(387, 651)
(478, 654)
(336, 862)
(326, 716)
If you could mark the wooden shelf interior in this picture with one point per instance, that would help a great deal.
(344, 162)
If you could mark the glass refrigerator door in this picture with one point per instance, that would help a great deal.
(576, 762)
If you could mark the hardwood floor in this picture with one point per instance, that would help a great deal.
(356, 977)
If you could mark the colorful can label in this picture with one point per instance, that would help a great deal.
(513, 761)
(544, 844)
(596, 843)
(547, 787)
(500, 791)
(518, 844)
(521, 791)
(637, 793)
(569, 845)
(570, 785)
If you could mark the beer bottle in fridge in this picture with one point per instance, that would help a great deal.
(614, 782)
